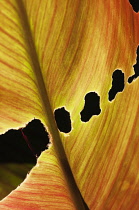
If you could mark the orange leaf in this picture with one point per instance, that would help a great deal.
(52, 54)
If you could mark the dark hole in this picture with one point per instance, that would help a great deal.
(117, 84)
(91, 107)
(135, 5)
(136, 68)
(14, 148)
(63, 121)
(37, 136)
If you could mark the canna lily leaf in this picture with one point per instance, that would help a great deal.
(54, 53)
(11, 175)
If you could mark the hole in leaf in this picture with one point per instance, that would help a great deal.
(37, 137)
(135, 5)
(16, 158)
(136, 68)
(91, 107)
(117, 84)
(14, 148)
(63, 121)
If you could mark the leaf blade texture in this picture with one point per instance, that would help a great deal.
(52, 54)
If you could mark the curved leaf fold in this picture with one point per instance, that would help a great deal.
(75, 47)
(44, 188)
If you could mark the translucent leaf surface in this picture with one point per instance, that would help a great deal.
(52, 54)
(11, 175)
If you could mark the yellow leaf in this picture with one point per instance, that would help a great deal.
(52, 54)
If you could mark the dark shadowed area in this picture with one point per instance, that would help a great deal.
(135, 5)
(117, 84)
(136, 68)
(15, 148)
(63, 120)
(91, 107)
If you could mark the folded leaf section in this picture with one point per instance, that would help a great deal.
(44, 188)
(11, 175)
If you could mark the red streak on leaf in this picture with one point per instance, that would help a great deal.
(28, 143)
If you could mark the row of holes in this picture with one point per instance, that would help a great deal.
(92, 100)
(35, 131)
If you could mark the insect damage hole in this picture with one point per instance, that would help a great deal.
(91, 107)
(36, 137)
(63, 121)
(135, 5)
(117, 84)
(136, 68)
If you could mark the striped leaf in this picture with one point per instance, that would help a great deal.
(54, 54)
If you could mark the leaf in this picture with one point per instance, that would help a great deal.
(52, 54)
(11, 175)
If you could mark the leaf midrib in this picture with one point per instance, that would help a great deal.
(75, 193)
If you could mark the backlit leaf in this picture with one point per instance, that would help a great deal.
(52, 54)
